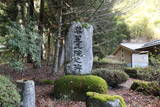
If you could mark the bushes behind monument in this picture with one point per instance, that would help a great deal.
(113, 78)
(9, 97)
(75, 87)
(148, 74)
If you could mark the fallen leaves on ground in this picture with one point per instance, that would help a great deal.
(44, 92)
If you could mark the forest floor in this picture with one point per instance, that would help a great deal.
(44, 92)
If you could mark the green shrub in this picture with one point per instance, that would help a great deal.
(23, 42)
(17, 65)
(132, 72)
(148, 88)
(113, 78)
(75, 87)
(148, 74)
(105, 97)
(9, 97)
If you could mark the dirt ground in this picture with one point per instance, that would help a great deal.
(44, 92)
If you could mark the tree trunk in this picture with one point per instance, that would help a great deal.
(40, 27)
(56, 55)
(61, 56)
(31, 10)
(49, 49)
(31, 7)
(41, 23)
(22, 10)
(29, 59)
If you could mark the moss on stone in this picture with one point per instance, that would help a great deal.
(105, 97)
(9, 97)
(75, 87)
(148, 88)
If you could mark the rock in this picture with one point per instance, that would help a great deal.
(104, 100)
(115, 103)
(98, 103)
(78, 49)
(74, 87)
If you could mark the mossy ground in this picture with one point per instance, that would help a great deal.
(105, 97)
(75, 87)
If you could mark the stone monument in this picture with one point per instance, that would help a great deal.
(78, 49)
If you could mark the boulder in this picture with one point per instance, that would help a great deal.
(103, 100)
(75, 87)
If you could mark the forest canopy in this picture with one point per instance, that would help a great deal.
(114, 21)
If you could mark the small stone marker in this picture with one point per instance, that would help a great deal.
(78, 49)
(29, 94)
